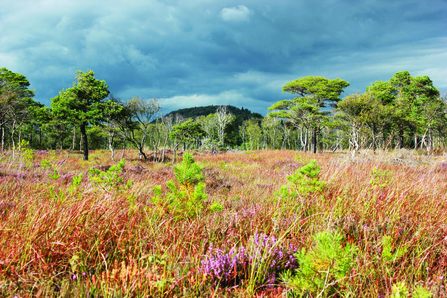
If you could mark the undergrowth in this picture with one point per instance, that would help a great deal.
(264, 224)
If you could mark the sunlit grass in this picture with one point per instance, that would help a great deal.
(120, 244)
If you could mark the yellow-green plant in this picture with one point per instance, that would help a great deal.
(54, 176)
(323, 268)
(391, 254)
(110, 179)
(380, 178)
(26, 152)
(45, 164)
(400, 290)
(421, 292)
(304, 181)
(186, 197)
(76, 182)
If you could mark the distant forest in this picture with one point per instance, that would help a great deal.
(403, 112)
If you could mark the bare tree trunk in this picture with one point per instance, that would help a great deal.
(84, 136)
(401, 137)
(423, 139)
(20, 140)
(12, 138)
(111, 148)
(314, 140)
(124, 148)
(164, 148)
(74, 137)
(175, 151)
(3, 139)
(303, 142)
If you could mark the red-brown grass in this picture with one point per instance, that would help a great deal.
(93, 242)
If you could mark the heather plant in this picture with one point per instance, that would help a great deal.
(186, 197)
(323, 268)
(110, 180)
(259, 264)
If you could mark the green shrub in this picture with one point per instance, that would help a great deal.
(323, 268)
(110, 179)
(390, 254)
(303, 182)
(186, 197)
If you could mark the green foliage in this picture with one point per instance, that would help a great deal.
(18, 83)
(305, 111)
(415, 103)
(26, 152)
(399, 290)
(304, 181)
(185, 198)
(390, 252)
(421, 292)
(81, 104)
(324, 268)
(75, 183)
(55, 175)
(186, 132)
(380, 178)
(45, 164)
(110, 179)
(322, 88)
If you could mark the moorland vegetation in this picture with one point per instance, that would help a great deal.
(348, 202)
(264, 223)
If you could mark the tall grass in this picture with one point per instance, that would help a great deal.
(60, 240)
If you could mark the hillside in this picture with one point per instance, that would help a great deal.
(206, 110)
(232, 131)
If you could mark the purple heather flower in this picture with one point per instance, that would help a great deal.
(75, 276)
(229, 269)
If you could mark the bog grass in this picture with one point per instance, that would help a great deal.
(266, 224)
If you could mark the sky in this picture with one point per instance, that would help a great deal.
(202, 52)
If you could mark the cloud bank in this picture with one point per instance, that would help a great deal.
(198, 52)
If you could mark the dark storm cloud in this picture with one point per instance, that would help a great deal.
(198, 52)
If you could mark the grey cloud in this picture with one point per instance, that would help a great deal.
(206, 51)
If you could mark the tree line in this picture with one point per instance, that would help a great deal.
(403, 112)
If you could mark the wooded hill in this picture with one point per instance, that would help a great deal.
(205, 111)
(232, 131)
